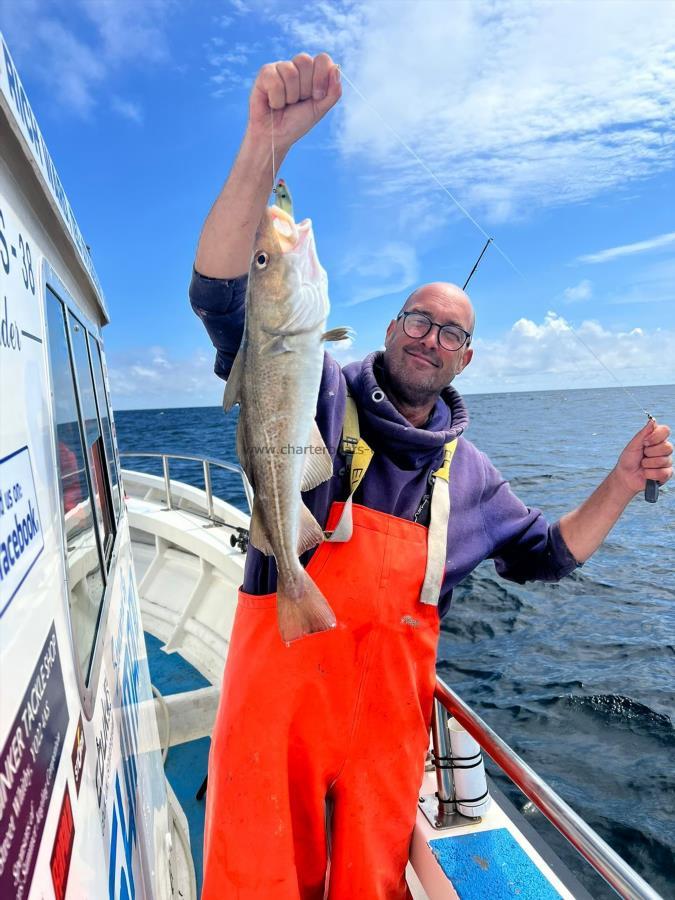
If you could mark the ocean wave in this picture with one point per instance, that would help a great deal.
(616, 709)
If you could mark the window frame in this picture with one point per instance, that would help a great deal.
(106, 547)
(95, 347)
(87, 680)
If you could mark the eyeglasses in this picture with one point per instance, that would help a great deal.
(418, 325)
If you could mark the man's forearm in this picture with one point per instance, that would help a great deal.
(584, 529)
(226, 242)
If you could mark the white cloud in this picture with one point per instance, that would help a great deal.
(529, 356)
(394, 267)
(330, 27)
(76, 68)
(343, 350)
(542, 355)
(333, 27)
(79, 78)
(342, 346)
(127, 109)
(231, 68)
(144, 372)
(581, 291)
(149, 377)
(227, 80)
(129, 30)
(655, 243)
(158, 356)
(514, 105)
(654, 283)
(233, 58)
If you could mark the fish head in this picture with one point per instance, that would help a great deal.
(285, 274)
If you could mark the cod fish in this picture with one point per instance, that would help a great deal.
(275, 379)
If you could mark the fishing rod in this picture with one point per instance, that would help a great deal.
(651, 485)
(476, 264)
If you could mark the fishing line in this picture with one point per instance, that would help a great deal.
(652, 487)
(489, 240)
(426, 168)
(626, 391)
(274, 168)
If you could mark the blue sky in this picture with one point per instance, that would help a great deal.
(555, 129)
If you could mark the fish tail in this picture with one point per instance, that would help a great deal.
(302, 609)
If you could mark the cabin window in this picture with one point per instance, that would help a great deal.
(106, 421)
(83, 553)
(93, 436)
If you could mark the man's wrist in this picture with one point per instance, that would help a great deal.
(256, 152)
(621, 492)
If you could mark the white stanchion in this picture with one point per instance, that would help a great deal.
(471, 793)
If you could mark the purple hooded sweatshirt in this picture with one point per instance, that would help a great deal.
(487, 521)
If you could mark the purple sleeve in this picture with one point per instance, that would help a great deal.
(219, 303)
(525, 546)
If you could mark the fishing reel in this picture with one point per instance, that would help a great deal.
(239, 539)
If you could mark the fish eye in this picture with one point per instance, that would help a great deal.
(261, 259)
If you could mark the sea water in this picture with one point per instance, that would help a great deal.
(578, 677)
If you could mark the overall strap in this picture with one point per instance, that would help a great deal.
(437, 539)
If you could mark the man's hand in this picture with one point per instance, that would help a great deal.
(649, 455)
(299, 92)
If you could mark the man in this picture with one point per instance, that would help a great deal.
(317, 752)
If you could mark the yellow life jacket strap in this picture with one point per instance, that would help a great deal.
(359, 455)
(448, 453)
(350, 427)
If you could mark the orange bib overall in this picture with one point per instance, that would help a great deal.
(318, 748)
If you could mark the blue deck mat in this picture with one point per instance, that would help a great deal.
(186, 764)
(491, 864)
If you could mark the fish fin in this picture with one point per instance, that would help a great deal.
(233, 387)
(310, 532)
(342, 333)
(278, 345)
(302, 610)
(318, 465)
(257, 536)
(287, 332)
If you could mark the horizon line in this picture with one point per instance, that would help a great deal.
(610, 387)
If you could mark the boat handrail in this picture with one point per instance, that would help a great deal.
(606, 862)
(207, 462)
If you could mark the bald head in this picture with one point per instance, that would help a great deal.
(452, 298)
(418, 368)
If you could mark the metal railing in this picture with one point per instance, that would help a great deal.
(206, 462)
(606, 862)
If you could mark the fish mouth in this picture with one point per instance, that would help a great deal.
(296, 243)
(292, 236)
(284, 228)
